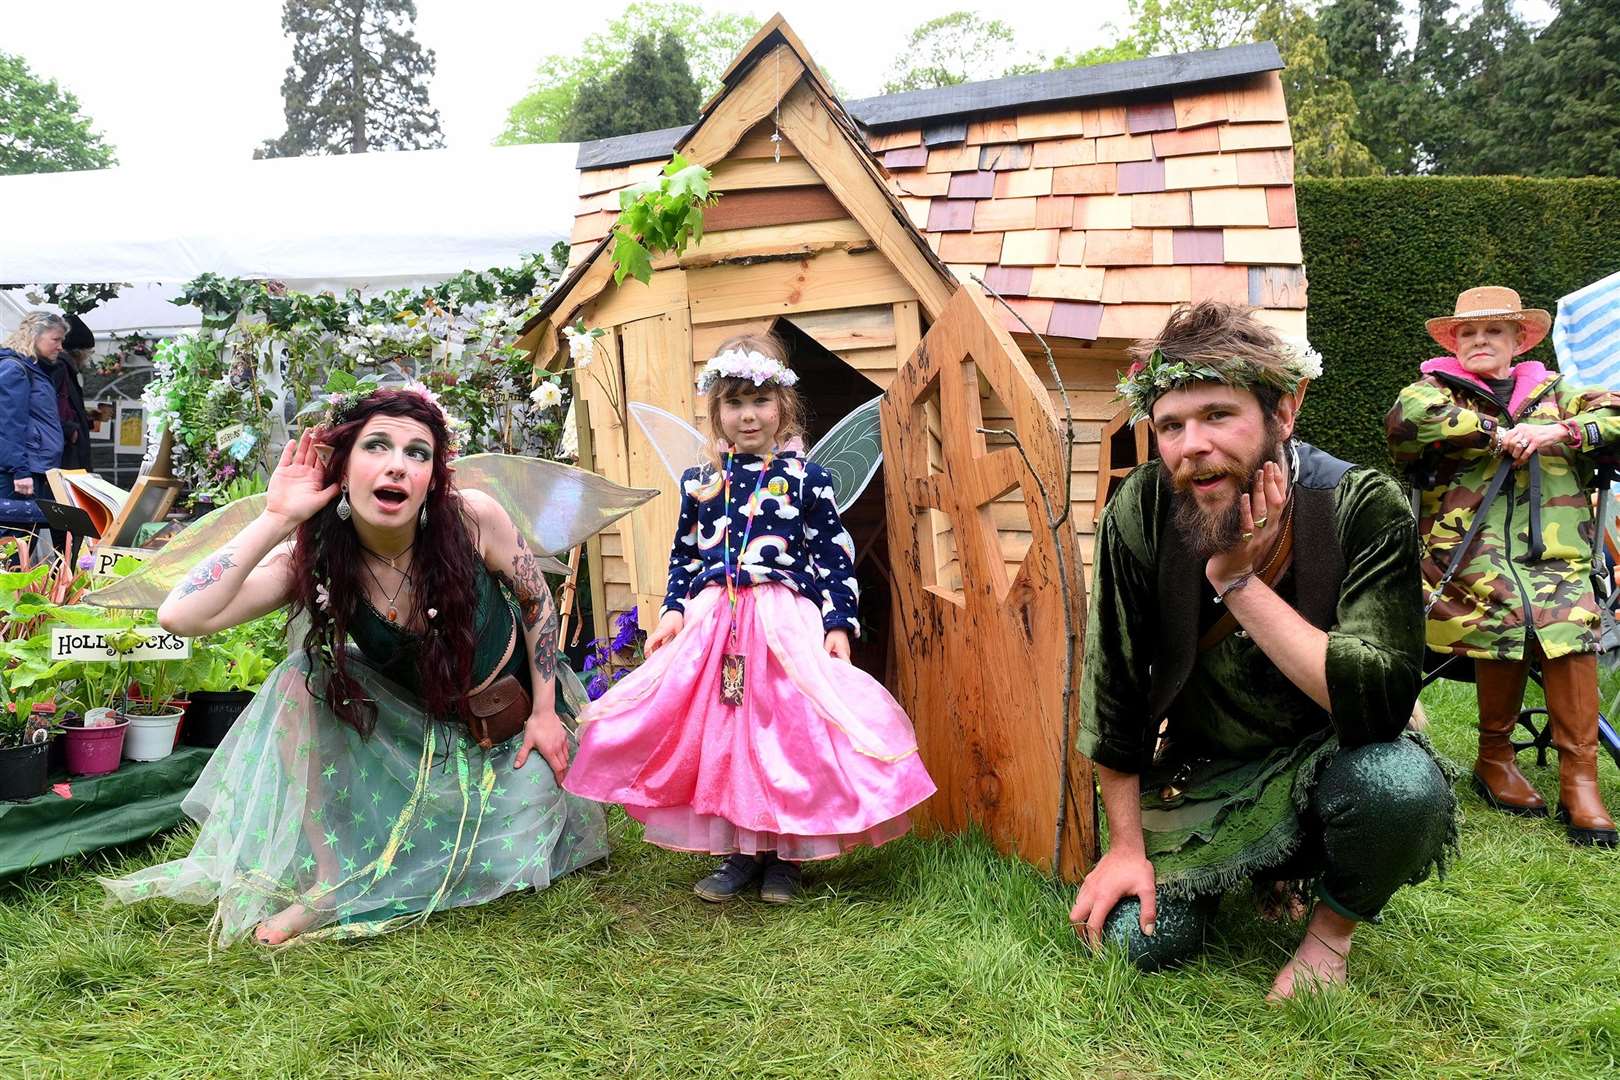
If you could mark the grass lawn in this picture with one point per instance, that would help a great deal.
(925, 958)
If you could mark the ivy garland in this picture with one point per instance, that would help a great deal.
(215, 390)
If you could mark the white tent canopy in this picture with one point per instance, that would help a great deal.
(368, 221)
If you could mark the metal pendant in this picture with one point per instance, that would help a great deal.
(731, 679)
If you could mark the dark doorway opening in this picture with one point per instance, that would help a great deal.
(832, 390)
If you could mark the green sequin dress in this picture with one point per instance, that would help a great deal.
(373, 833)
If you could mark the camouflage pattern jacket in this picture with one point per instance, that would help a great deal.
(1529, 568)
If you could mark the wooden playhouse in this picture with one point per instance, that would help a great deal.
(1093, 200)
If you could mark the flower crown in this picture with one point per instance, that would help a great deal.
(756, 367)
(1145, 381)
(341, 404)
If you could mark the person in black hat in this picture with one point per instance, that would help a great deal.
(76, 350)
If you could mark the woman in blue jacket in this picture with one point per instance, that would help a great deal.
(30, 429)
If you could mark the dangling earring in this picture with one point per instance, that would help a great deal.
(421, 519)
(343, 510)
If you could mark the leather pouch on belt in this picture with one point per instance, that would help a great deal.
(498, 712)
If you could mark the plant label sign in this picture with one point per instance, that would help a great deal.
(107, 557)
(90, 645)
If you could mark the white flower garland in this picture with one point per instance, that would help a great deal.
(756, 367)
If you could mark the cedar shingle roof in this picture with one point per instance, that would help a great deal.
(1095, 199)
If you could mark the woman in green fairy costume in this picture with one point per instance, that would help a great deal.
(350, 798)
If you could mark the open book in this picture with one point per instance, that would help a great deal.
(117, 514)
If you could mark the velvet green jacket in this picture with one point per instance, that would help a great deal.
(1234, 704)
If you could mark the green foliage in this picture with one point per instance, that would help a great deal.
(1321, 105)
(711, 40)
(358, 80)
(652, 90)
(1561, 103)
(213, 389)
(660, 215)
(1178, 26)
(239, 658)
(41, 128)
(957, 48)
(1385, 254)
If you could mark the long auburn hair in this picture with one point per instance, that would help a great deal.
(791, 412)
(443, 565)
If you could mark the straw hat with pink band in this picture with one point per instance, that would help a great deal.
(1488, 303)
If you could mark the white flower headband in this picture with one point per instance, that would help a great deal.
(756, 367)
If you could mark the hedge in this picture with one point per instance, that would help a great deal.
(1382, 255)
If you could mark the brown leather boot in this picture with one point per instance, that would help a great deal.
(1496, 771)
(1572, 710)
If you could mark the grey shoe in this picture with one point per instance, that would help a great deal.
(735, 874)
(783, 883)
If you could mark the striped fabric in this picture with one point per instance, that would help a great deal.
(1587, 334)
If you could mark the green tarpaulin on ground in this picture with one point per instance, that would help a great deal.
(141, 799)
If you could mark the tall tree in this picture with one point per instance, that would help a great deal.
(710, 39)
(358, 80)
(653, 89)
(957, 48)
(41, 128)
(1321, 106)
(1562, 102)
(1365, 47)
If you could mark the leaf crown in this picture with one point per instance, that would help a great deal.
(1145, 381)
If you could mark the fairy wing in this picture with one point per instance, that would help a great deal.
(852, 453)
(679, 445)
(556, 507)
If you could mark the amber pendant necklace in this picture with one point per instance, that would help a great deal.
(392, 614)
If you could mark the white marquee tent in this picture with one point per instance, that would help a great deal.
(368, 221)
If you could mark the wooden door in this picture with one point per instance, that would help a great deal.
(978, 608)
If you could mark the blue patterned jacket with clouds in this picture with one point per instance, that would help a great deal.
(796, 539)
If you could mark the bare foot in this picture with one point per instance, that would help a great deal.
(1322, 959)
(285, 925)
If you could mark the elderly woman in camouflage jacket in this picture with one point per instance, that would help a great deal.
(1520, 589)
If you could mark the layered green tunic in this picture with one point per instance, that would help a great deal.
(1228, 760)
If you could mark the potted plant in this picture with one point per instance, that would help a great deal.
(154, 717)
(25, 735)
(229, 667)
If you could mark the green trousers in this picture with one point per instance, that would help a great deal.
(1379, 817)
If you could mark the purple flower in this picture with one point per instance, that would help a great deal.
(596, 688)
(625, 627)
(87, 562)
(591, 661)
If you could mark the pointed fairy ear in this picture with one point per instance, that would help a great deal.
(324, 452)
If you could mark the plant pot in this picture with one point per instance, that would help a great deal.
(93, 751)
(23, 771)
(172, 705)
(152, 738)
(212, 713)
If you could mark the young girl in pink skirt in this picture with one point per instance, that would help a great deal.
(747, 732)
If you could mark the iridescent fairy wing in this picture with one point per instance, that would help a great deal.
(852, 453)
(556, 507)
(679, 445)
(146, 587)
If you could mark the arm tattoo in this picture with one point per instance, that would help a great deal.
(207, 573)
(528, 584)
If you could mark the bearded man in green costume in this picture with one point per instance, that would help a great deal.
(1253, 654)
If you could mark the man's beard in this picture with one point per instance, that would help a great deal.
(1208, 532)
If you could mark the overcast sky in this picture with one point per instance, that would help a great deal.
(169, 81)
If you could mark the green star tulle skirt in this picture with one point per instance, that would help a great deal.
(369, 834)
